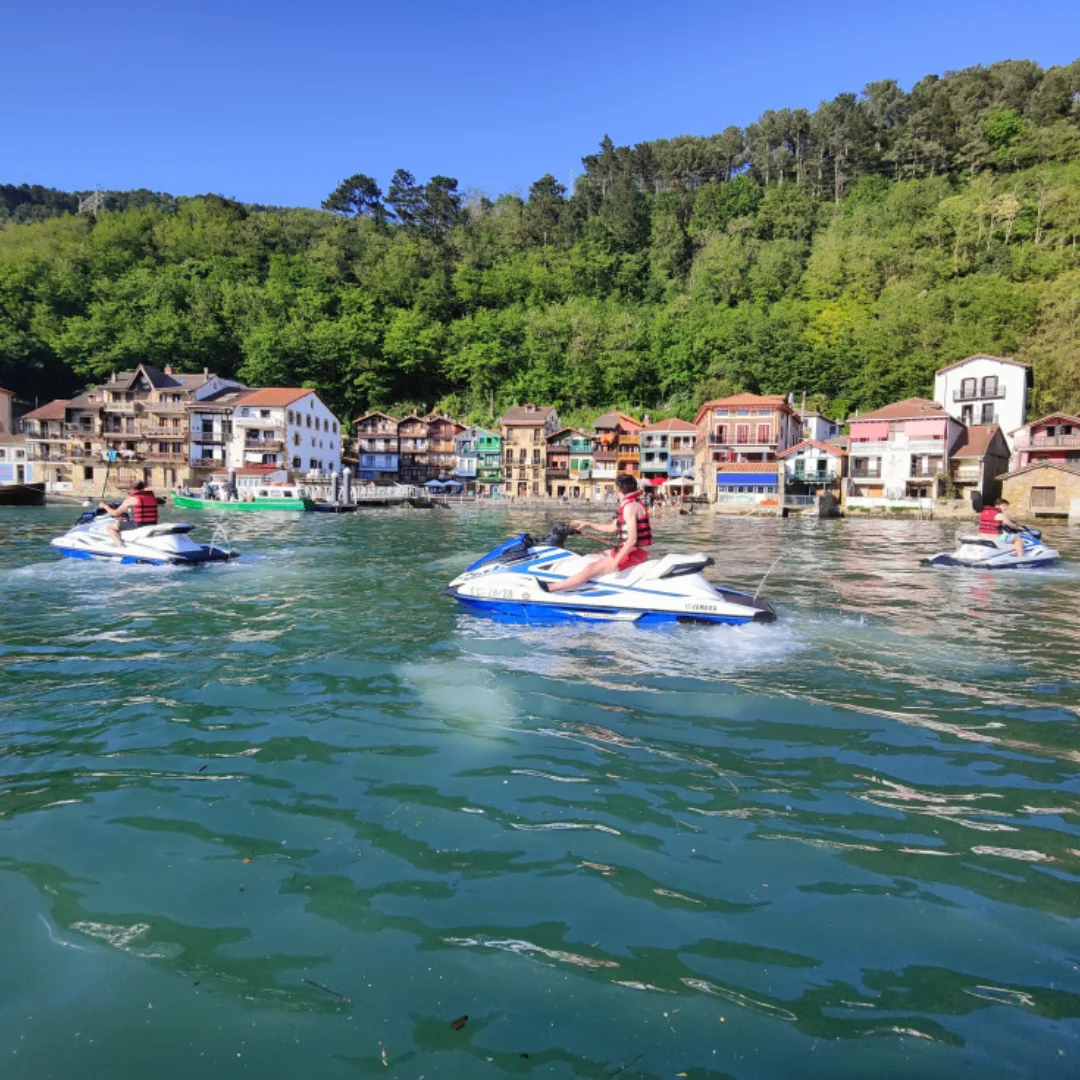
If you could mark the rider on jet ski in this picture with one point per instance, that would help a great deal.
(995, 521)
(143, 506)
(632, 529)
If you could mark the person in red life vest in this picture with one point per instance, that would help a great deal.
(632, 530)
(994, 520)
(143, 506)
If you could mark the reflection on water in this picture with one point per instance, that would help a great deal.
(298, 813)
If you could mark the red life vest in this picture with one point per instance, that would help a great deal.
(144, 512)
(988, 522)
(644, 529)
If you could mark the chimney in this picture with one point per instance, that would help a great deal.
(206, 373)
(168, 369)
(645, 421)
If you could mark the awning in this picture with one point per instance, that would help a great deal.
(925, 429)
(732, 479)
(656, 481)
(870, 430)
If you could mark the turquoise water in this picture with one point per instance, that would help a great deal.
(844, 845)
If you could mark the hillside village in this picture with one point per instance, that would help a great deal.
(743, 453)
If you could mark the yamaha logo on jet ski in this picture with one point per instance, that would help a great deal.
(673, 589)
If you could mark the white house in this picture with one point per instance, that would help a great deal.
(287, 426)
(814, 463)
(986, 390)
(816, 426)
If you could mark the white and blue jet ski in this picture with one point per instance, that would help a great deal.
(164, 544)
(671, 589)
(982, 552)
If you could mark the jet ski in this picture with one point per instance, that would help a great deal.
(671, 589)
(981, 552)
(166, 543)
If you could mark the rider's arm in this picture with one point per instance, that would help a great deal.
(118, 511)
(1004, 519)
(611, 528)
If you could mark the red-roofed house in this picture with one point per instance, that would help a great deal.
(525, 430)
(739, 430)
(898, 455)
(667, 452)
(291, 427)
(1054, 438)
(813, 465)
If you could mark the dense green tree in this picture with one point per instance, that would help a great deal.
(846, 252)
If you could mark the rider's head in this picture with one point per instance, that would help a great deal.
(139, 485)
(626, 483)
(1002, 503)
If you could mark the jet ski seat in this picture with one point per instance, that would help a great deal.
(668, 567)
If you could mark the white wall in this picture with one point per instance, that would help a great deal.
(1011, 410)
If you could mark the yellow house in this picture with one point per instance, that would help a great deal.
(1042, 489)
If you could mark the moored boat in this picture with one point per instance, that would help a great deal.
(22, 494)
(276, 496)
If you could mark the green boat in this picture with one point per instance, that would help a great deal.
(263, 497)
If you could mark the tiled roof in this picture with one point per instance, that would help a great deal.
(615, 418)
(368, 416)
(275, 396)
(532, 415)
(222, 399)
(3, 391)
(567, 431)
(753, 401)
(12, 438)
(746, 467)
(912, 408)
(841, 441)
(82, 401)
(829, 449)
(975, 441)
(53, 411)
(984, 356)
(1063, 466)
(1068, 417)
(674, 424)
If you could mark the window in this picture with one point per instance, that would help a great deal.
(88, 472)
(990, 386)
(335, 427)
(309, 421)
(289, 416)
(721, 433)
(296, 463)
(742, 412)
(742, 433)
(1043, 497)
(967, 414)
(764, 433)
(967, 388)
(296, 438)
(988, 413)
(264, 414)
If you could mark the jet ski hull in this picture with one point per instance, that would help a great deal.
(505, 584)
(992, 553)
(154, 545)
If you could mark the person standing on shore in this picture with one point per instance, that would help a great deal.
(633, 531)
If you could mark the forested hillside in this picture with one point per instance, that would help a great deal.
(847, 252)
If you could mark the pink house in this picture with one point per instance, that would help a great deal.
(1054, 438)
(901, 452)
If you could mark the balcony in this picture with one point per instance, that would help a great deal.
(581, 474)
(581, 446)
(79, 431)
(865, 474)
(715, 440)
(829, 477)
(123, 408)
(1044, 442)
(559, 472)
(163, 431)
(131, 434)
(967, 474)
(926, 474)
(997, 395)
(163, 455)
(210, 438)
(264, 446)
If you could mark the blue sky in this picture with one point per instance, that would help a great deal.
(276, 102)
